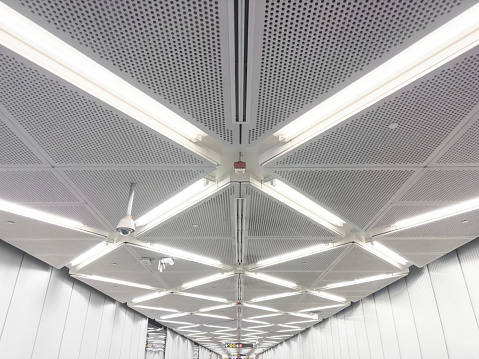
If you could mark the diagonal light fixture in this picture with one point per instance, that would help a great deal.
(191, 195)
(112, 280)
(300, 203)
(364, 280)
(435, 49)
(324, 307)
(205, 297)
(48, 51)
(329, 296)
(35, 214)
(147, 297)
(273, 296)
(212, 278)
(271, 279)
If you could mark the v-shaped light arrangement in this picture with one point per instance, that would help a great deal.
(41, 47)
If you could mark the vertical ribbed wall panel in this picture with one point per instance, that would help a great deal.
(457, 316)
(44, 313)
(404, 320)
(430, 314)
(386, 324)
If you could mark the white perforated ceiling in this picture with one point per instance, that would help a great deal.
(67, 153)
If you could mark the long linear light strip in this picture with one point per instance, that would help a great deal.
(429, 217)
(305, 252)
(324, 307)
(265, 316)
(48, 217)
(48, 51)
(270, 279)
(364, 280)
(381, 254)
(300, 203)
(156, 308)
(176, 204)
(387, 252)
(89, 253)
(147, 297)
(178, 253)
(205, 297)
(218, 307)
(213, 316)
(96, 253)
(274, 296)
(209, 279)
(304, 315)
(329, 296)
(249, 305)
(113, 281)
(435, 49)
(176, 315)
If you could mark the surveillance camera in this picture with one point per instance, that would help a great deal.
(126, 226)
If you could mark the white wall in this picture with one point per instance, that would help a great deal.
(44, 313)
(433, 313)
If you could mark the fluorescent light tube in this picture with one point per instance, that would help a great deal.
(386, 251)
(149, 297)
(324, 307)
(89, 253)
(205, 297)
(305, 252)
(206, 280)
(48, 217)
(303, 315)
(159, 248)
(270, 279)
(304, 321)
(260, 307)
(218, 307)
(112, 280)
(438, 214)
(329, 296)
(176, 204)
(289, 330)
(176, 315)
(253, 321)
(48, 51)
(363, 280)
(274, 296)
(265, 316)
(175, 322)
(213, 316)
(289, 326)
(156, 308)
(435, 49)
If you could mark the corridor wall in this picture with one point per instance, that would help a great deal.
(177, 346)
(44, 313)
(433, 313)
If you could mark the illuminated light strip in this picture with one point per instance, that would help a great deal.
(274, 280)
(218, 307)
(254, 321)
(387, 252)
(173, 252)
(289, 326)
(300, 203)
(274, 296)
(48, 51)
(41, 216)
(175, 322)
(364, 280)
(156, 308)
(206, 297)
(289, 330)
(177, 315)
(265, 316)
(112, 280)
(260, 307)
(213, 316)
(432, 51)
(303, 321)
(89, 253)
(380, 254)
(429, 217)
(303, 315)
(329, 296)
(149, 297)
(305, 252)
(206, 280)
(191, 195)
(325, 307)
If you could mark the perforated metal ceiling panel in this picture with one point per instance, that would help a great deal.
(426, 112)
(87, 131)
(329, 44)
(175, 51)
(14, 151)
(354, 195)
(269, 218)
(360, 260)
(108, 190)
(211, 218)
(399, 212)
(444, 185)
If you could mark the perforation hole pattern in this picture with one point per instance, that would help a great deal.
(171, 48)
(14, 151)
(466, 148)
(73, 129)
(327, 42)
(426, 115)
(444, 185)
(354, 195)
